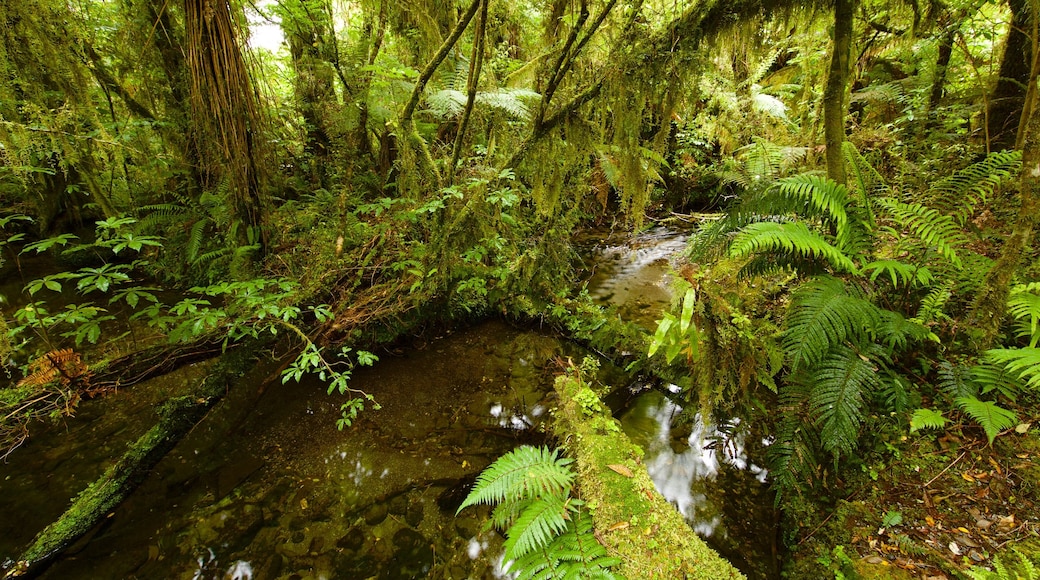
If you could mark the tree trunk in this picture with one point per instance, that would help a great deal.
(308, 29)
(834, 92)
(990, 305)
(1009, 94)
(942, 64)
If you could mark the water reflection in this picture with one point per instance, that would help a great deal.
(705, 473)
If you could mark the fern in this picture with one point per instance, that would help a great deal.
(794, 237)
(839, 383)
(1019, 567)
(927, 419)
(818, 196)
(866, 180)
(931, 227)
(960, 193)
(957, 381)
(992, 417)
(900, 273)
(539, 521)
(823, 314)
(573, 554)
(1024, 305)
(1022, 363)
(547, 535)
(524, 473)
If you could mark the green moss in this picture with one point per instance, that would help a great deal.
(634, 522)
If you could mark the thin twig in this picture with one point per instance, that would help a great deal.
(930, 481)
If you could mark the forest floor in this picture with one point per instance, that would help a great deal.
(937, 506)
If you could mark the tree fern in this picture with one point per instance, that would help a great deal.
(992, 417)
(817, 196)
(824, 314)
(933, 228)
(793, 237)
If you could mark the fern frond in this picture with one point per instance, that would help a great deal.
(523, 473)
(927, 419)
(1024, 305)
(897, 332)
(1023, 363)
(992, 417)
(762, 237)
(960, 193)
(839, 383)
(823, 315)
(446, 103)
(931, 227)
(514, 102)
(957, 380)
(817, 196)
(900, 273)
(536, 526)
(932, 305)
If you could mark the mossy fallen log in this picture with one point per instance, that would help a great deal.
(177, 417)
(633, 520)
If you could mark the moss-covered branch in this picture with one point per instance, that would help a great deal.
(632, 519)
(177, 417)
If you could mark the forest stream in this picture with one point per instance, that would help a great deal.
(266, 487)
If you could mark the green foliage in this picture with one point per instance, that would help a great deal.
(964, 190)
(840, 383)
(1022, 363)
(823, 314)
(938, 231)
(992, 417)
(1019, 566)
(548, 535)
(927, 419)
(1024, 306)
(677, 335)
(791, 239)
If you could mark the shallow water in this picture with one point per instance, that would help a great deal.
(710, 474)
(266, 487)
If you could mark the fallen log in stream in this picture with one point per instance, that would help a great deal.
(177, 417)
(632, 520)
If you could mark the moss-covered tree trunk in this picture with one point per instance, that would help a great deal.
(834, 92)
(1004, 112)
(990, 306)
(627, 510)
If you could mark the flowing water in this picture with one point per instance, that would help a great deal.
(266, 487)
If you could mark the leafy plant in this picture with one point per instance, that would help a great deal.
(1019, 566)
(548, 535)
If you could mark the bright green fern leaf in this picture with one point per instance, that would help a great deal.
(523, 473)
(992, 417)
(1024, 305)
(927, 419)
(931, 227)
(794, 237)
(1023, 363)
(960, 193)
(822, 315)
(536, 526)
